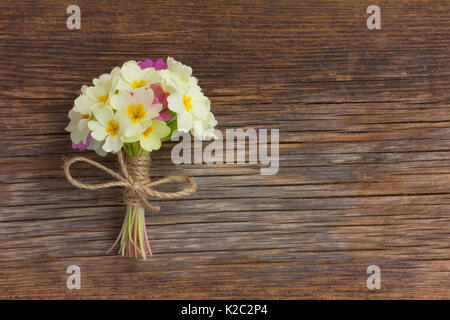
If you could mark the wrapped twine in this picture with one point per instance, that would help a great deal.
(135, 178)
(138, 168)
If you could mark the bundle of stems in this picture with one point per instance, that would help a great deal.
(133, 236)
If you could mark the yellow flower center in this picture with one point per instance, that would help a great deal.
(147, 132)
(102, 98)
(84, 116)
(138, 84)
(113, 128)
(136, 113)
(187, 103)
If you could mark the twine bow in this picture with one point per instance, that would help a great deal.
(135, 178)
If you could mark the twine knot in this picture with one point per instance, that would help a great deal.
(135, 178)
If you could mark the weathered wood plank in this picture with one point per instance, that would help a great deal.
(364, 124)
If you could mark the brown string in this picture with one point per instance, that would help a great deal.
(135, 178)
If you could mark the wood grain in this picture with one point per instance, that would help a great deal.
(364, 124)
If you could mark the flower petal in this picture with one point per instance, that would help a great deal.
(160, 64)
(143, 95)
(183, 71)
(120, 100)
(134, 129)
(160, 128)
(164, 116)
(184, 121)
(75, 136)
(175, 102)
(152, 142)
(98, 130)
(92, 94)
(82, 104)
(116, 143)
(147, 63)
(131, 71)
(152, 111)
(104, 114)
(199, 111)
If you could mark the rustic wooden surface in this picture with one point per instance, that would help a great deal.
(364, 173)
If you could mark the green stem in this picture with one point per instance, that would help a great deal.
(134, 241)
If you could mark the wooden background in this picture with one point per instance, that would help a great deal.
(364, 173)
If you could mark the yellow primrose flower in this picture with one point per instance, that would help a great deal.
(107, 128)
(97, 95)
(150, 139)
(133, 77)
(135, 109)
(78, 126)
(177, 76)
(190, 106)
(204, 129)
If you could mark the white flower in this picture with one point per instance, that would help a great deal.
(78, 126)
(83, 105)
(135, 110)
(106, 128)
(133, 77)
(204, 129)
(190, 106)
(97, 95)
(111, 77)
(177, 77)
(150, 139)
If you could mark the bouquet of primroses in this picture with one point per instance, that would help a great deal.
(134, 108)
